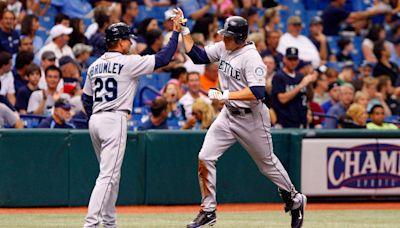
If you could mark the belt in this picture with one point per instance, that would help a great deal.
(113, 110)
(238, 111)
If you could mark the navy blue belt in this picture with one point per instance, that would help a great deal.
(238, 111)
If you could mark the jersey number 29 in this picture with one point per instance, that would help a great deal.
(110, 86)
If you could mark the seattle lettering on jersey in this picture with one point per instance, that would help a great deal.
(229, 70)
(365, 166)
(110, 68)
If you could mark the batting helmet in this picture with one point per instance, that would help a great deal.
(118, 31)
(236, 27)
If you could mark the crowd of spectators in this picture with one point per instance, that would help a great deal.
(335, 68)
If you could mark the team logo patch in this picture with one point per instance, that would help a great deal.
(259, 72)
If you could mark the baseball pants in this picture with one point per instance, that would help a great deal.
(108, 131)
(252, 130)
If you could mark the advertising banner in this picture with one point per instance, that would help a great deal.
(350, 167)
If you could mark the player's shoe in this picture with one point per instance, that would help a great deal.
(298, 213)
(203, 218)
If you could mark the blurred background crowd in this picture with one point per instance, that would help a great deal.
(347, 54)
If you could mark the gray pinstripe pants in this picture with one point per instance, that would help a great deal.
(252, 130)
(108, 131)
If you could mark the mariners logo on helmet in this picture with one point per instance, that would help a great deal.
(118, 31)
(236, 27)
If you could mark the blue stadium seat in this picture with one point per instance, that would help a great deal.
(151, 84)
(332, 41)
(316, 4)
(31, 121)
(357, 53)
(87, 22)
(42, 34)
(156, 12)
(360, 5)
(47, 22)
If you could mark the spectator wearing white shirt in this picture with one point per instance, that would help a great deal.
(293, 38)
(7, 88)
(9, 118)
(48, 58)
(59, 37)
(192, 94)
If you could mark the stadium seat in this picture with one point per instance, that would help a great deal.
(31, 121)
(156, 12)
(357, 53)
(149, 87)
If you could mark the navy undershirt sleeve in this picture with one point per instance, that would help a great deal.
(198, 55)
(258, 91)
(164, 56)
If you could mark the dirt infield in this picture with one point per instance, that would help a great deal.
(221, 207)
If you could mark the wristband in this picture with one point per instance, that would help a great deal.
(225, 95)
(185, 31)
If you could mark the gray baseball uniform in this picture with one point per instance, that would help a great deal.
(245, 121)
(112, 80)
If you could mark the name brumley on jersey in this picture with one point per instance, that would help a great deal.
(114, 78)
(238, 69)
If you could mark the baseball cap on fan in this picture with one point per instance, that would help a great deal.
(292, 53)
(59, 30)
(169, 14)
(62, 103)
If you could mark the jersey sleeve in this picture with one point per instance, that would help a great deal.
(140, 65)
(87, 88)
(214, 51)
(255, 71)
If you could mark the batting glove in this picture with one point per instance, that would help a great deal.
(216, 94)
(185, 30)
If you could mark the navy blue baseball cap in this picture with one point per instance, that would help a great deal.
(302, 64)
(292, 53)
(62, 103)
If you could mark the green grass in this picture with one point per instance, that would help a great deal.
(324, 219)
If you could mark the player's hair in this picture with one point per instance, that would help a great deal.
(32, 68)
(54, 68)
(158, 106)
(23, 58)
(207, 112)
(5, 58)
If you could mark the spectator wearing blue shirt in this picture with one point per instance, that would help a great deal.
(24, 93)
(22, 61)
(289, 98)
(73, 8)
(159, 114)
(195, 9)
(98, 40)
(338, 111)
(333, 91)
(9, 38)
(62, 113)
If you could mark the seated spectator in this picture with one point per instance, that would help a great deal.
(80, 119)
(98, 39)
(192, 94)
(223, 8)
(377, 116)
(356, 117)
(195, 9)
(82, 54)
(210, 77)
(172, 94)
(385, 88)
(63, 19)
(258, 39)
(18, 9)
(339, 110)
(289, 98)
(9, 118)
(271, 71)
(74, 8)
(335, 15)
(48, 58)
(23, 60)
(130, 12)
(318, 38)
(365, 70)
(42, 101)
(376, 33)
(347, 74)
(24, 93)
(333, 91)
(362, 98)
(346, 47)
(7, 88)
(25, 45)
(332, 75)
(30, 25)
(384, 66)
(59, 37)
(320, 89)
(180, 74)
(152, 3)
(395, 56)
(77, 36)
(60, 117)
(203, 116)
(158, 117)
(293, 38)
(9, 37)
(273, 38)
(370, 87)
(39, 8)
(145, 26)
(271, 20)
(154, 42)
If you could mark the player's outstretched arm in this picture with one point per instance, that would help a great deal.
(248, 93)
(164, 56)
(197, 54)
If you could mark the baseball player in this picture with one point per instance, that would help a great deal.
(109, 90)
(244, 118)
